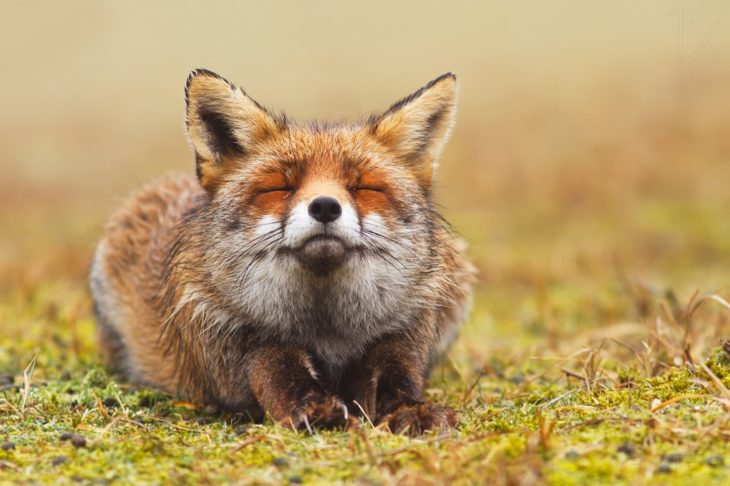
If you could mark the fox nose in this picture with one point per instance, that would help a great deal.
(325, 209)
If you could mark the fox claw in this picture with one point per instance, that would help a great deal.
(415, 419)
(328, 413)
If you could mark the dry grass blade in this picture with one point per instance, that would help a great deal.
(364, 413)
(678, 398)
(27, 378)
(718, 299)
(100, 406)
(717, 381)
(248, 442)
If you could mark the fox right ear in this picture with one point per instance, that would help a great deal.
(416, 128)
(224, 125)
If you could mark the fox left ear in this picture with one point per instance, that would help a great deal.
(417, 127)
(224, 124)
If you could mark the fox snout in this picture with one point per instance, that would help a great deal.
(325, 209)
(324, 252)
(325, 235)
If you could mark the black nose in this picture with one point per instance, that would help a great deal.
(325, 209)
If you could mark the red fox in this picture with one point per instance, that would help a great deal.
(304, 274)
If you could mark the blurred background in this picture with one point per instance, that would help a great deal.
(590, 164)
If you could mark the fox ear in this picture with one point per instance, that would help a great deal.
(416, 128)
(224, 125)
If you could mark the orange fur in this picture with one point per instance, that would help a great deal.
(303, 270)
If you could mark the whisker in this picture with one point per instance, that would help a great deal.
(403, 245)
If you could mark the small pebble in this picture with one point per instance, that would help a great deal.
(674, 457)
(8, 446)
(59, 460)
(295, 480)
(664, 468)
(628, 449)
(78, 441)
(279, 462)
(572, 454)
(110, 402)
(146, 401)
(715, 461)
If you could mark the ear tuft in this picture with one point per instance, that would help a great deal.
(202, 72)
(416, 128)
(413, 96)
(224, 125)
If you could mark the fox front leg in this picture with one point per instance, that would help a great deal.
(285, 384)
(388, 384)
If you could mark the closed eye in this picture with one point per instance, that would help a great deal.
(276, 189)
(367, 188)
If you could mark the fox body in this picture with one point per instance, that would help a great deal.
(303, 273)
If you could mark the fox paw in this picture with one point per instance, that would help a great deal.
(326, 413)
(415, 419)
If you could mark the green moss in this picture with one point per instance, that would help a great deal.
(534, 408)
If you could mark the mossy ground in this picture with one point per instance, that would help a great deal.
(561, 380)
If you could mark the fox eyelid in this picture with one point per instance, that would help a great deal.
(367, 188)
(277, 189)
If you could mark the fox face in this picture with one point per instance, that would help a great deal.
(330, 224)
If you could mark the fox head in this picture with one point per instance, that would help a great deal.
(340, 211)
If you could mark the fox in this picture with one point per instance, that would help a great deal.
(303, 274)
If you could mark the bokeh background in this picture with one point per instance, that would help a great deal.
(590, 163)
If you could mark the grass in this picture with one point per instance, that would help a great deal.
(607, 379)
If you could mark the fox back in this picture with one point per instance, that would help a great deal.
(307, 244)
